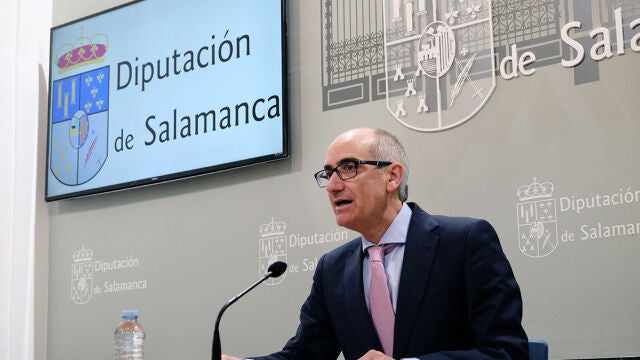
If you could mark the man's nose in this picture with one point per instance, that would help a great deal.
(335, 182)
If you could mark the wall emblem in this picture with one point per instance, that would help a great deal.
(79, 126)
(272, 248)
(80, 111)
(439, 61)
(537, 222)
(82, 276)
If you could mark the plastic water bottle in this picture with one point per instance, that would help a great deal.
(129, 337)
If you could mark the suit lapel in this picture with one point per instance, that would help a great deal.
(355, 302)
(419, 252)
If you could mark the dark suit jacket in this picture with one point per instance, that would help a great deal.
(457, 298)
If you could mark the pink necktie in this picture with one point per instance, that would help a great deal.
(379, 299)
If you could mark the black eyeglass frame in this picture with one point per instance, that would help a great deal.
(322, 177)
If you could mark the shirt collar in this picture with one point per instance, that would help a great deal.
(396, 233)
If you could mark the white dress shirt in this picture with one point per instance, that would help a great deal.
(396, 234)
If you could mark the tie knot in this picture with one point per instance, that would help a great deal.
(376, 253)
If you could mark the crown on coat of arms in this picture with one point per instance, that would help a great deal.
(535, 190)
(272, 228)
(82, 255)
(82, 51)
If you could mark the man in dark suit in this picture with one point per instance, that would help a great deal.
(451, 289)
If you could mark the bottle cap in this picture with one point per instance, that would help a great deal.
(129, 314)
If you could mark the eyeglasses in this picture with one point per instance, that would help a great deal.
(346, 169)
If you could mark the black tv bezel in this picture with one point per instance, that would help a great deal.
(207, 170)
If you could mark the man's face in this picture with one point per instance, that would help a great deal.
(358, 203)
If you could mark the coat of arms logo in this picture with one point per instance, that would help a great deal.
(439, 61)
(79, 126)
(79, 112)
(273, 247)
(82, 276)
(537, 222)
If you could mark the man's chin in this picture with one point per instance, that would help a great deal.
(341, 220)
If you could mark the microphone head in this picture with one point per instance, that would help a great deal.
(277, 268)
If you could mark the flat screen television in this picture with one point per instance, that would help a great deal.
(159, 90)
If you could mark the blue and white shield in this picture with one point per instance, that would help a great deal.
(79, 126)
(439, 61)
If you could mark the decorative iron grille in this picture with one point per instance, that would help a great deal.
(352, 39)
(516, 21)
(353, 68)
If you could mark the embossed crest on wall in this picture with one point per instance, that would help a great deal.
(435, 61)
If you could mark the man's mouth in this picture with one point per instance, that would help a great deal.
(340, 203)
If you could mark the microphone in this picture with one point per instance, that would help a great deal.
(276, 269)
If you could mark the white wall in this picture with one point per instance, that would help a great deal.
(24, 25)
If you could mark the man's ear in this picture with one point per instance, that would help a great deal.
(395, 171)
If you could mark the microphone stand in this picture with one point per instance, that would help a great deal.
(216, 351)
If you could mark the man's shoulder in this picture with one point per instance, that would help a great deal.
(337, 258)
(456, 220)
(445, 222)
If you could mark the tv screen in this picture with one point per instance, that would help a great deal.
(158, 90)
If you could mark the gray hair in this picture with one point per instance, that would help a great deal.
(388, 148)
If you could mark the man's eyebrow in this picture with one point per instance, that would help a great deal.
(329, 167)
